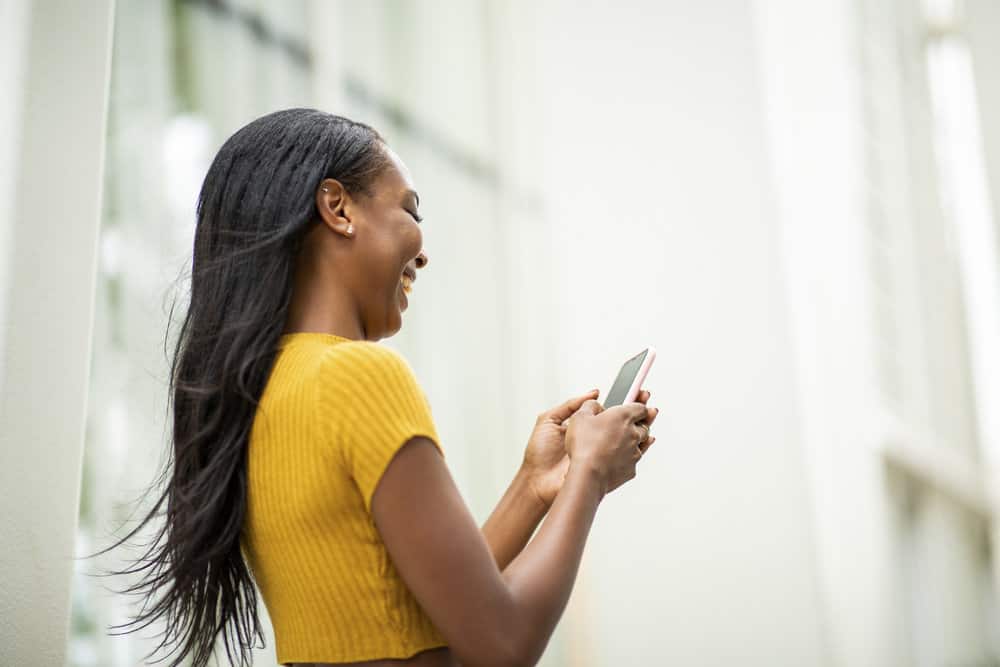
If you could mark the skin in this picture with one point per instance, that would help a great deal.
(495, 596)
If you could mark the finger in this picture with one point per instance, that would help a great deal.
(591, 407)
(562, 412)
(644, 446)
(651, 414)
(628, 413)
(643, 397)
(635, 412)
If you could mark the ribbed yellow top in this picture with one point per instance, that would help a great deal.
(332, 415)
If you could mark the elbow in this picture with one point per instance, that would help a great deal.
(498, 656)
(510, 654)
(507, 650)
(505, 635)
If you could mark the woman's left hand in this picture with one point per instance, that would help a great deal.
(545, 461)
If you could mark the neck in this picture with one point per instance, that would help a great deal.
(321, 303)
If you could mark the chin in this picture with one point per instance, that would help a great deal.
(393, 325)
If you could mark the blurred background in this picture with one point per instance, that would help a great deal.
(795, 201)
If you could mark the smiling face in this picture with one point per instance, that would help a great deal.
(377, 245)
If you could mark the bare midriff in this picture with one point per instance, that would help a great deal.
(435, 657)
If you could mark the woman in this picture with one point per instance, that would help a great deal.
(305, 457)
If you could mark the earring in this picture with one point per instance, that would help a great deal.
(326, 189)
(350, 229)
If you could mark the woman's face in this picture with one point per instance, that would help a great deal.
(383, 247)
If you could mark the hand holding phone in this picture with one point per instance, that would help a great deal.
(614, 443)
(630, 378)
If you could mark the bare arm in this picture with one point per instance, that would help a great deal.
(513, 520)
(489, 618)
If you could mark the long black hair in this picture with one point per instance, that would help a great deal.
(255, 205)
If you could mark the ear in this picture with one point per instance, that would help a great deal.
(332, 203)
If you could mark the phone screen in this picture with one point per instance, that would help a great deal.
(626, 376)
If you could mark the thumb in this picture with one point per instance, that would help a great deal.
(562, 412)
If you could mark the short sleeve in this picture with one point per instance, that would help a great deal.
(372, 396)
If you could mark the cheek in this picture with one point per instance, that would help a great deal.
(392, 250)
(416, 242)
(396, 250)
(407, 242)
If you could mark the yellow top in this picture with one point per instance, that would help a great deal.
(332, 415)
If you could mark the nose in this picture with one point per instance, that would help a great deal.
(421, 260)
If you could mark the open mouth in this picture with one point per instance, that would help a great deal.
(407, 283)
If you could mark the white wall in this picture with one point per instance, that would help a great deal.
(664, 233)
(809, 60)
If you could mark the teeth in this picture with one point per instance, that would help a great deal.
(407, 284)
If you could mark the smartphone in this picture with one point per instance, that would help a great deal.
(630, 378)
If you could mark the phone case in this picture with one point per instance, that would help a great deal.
(640, 377)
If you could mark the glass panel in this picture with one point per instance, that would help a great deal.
(184, 76)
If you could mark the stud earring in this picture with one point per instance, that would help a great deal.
(326, 189)
(350, 229)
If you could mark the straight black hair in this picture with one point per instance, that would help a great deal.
(255, 206)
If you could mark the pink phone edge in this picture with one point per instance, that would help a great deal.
(640, 377)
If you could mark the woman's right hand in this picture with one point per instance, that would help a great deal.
(489, 616)
(608, 441)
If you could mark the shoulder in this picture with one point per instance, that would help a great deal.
(374, 405)
(360, 366)
(363, 357)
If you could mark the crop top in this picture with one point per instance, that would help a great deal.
(333, 413)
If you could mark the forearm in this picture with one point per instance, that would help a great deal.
(513, 521)
(541, 578)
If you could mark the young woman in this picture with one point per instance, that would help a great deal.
(305, 456)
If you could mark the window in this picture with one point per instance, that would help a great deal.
(933, 271)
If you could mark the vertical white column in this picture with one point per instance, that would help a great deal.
(47, 319)
(982, 27)
(981, 244)
(13, 39)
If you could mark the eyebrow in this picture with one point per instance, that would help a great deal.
(415, 195)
